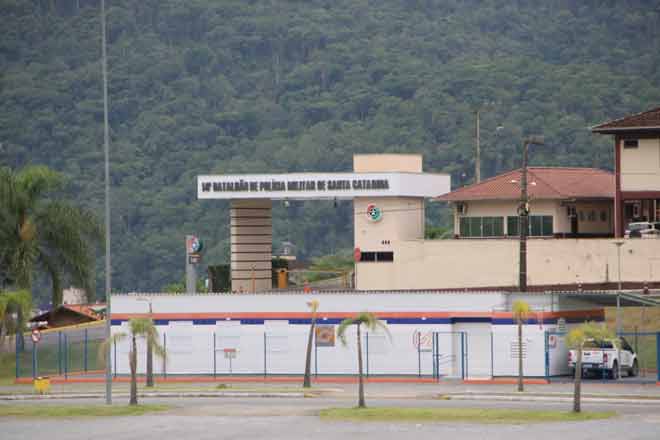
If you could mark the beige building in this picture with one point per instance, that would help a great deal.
(388, 193)
(637, 167)
(564, 202)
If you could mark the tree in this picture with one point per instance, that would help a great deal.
(139, 327)
(371, 323)
(19, 302)
(313, 306)
(576, 339)
(42, 234)
(521, 311)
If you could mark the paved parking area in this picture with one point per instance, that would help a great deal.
(293, 419)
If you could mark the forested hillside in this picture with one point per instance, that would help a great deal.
(235, 86)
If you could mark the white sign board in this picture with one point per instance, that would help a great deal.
(321, 185)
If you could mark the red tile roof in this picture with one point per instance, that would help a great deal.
(543, 183)
(648, 120)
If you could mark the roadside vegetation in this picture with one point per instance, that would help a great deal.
(576, 339)
(139, 328)
(458, 415)
(371, 322)
(78, 411)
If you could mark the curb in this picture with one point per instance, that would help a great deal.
(512, 398)
(505, 381)
(25, 397)
(237, 379)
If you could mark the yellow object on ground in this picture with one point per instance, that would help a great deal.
(42, 384)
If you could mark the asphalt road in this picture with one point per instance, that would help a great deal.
(287, 418)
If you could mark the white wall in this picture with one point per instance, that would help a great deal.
(190, 345)
(435, 264)
(190, 351)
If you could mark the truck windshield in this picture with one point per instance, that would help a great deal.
(639, 226)
(598, 344)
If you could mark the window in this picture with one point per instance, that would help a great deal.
(603, 216)
(482, 227)
(384, 256)
(512, 225)
(367, 256)
(539, 226)
(630, 143)
(376, 256)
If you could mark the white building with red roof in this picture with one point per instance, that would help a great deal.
(564, 202)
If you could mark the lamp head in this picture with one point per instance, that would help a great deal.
(536, 139)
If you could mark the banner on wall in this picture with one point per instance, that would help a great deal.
(325, 335)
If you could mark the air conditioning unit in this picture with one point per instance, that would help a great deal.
(461, 208)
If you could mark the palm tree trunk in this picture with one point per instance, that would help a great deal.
(150, 363)
(133, 365)
(520, 357)
(578, 381)
(307, 381)
(361, 403)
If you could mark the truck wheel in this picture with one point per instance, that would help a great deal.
(634, 371)
(614, 374)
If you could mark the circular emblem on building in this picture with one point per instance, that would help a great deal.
(194, 245)
(374, 213)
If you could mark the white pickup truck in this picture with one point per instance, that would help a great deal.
(605, 358)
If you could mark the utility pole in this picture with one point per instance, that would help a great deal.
(477, 160)
(523, 213)
(108, 268)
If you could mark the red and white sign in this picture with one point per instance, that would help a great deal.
(357, 254)
(36, 335)
(423, 341)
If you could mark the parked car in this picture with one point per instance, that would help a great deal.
(643, 230)
(606, 358)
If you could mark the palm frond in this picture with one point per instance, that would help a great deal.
(368, 319)
(521, 310)
(106, 344)
(588, 330)
(145, 327)
(343, 326)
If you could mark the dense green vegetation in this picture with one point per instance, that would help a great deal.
(203, 86)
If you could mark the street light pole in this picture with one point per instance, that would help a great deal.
(618, 245)
(523, 213)
(106, 151)
(477, 160)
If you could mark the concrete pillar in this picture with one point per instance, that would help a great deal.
(251, 245)
(402, 218)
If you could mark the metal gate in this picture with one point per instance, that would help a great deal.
(449, 354)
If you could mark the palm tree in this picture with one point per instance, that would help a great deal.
(372, 323)
(307, 381)
(19, 302)
(38, 233)
(139, 327)
(576, 339)
(521, 311)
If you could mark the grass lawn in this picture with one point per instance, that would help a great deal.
(470, 415)
(77, 411)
